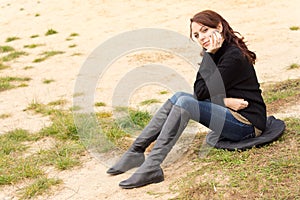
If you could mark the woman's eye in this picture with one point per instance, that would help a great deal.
(196, 35)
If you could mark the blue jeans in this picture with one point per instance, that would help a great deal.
(213, 116)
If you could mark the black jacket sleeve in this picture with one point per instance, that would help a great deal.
(213, 80)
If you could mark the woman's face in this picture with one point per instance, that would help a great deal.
(202, 34)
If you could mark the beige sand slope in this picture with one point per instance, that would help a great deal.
(265, 24)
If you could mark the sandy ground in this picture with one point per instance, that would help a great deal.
(265, 25)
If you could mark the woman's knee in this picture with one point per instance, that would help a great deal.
(178, 95)
(185, 102)
(189, 104)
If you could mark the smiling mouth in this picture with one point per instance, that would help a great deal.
(205, 44)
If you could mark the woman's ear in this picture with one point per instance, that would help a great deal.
(220, 27)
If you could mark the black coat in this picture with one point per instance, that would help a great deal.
(234, 78)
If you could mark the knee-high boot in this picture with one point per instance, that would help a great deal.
(134, 157)
(150, 171)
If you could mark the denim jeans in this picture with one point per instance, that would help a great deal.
(213, 116)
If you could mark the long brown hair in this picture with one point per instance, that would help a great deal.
(212, 19)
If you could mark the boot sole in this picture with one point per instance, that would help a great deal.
(115, 173)
(156, 180)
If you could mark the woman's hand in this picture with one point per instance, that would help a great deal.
(235, 103)
(216, 40)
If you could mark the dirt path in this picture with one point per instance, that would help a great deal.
(265, 25)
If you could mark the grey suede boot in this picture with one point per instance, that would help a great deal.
(134, 157)
(150, 171)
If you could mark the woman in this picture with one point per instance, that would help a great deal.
(239, 106)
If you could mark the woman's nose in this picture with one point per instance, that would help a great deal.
(201, 37)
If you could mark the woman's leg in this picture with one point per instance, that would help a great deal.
(150, 171)
(215, 117)
(134, 157)
(231, 128)
(186, 107)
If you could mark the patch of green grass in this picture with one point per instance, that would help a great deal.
(52, 53)
(10, 39)
(59, 102)
(294, 66)
(63, 156)
(164, 92)
(37, 15)
(27, 67)
(32, 46)
(93, 132)
(134, 121)
(39, 187)
(99, 104)
(47, 81)
(34, 36)
(75, 108)
(140, 118)
(293, 126)
(5, 115)
(23, 85)
(4, 49)
(63, 126)
(39, 108)
(37, 60)
(71, 36)
(17, 165)
(74, 34)
(116, 129)
(281, 90)
(112, 130)
(121, 109)
(11, 142)
(76, 54)
(13, 55)
(72, 45)
(51, 32)
(271, 171)
(9, 82)
(104, 114)
(2, 66)
(18, 78)
(47, 55)
(294, 28)
(18, 135)
(155, 194)
(5, 85)
(14, 169)
(78, 94)
(149, 101)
